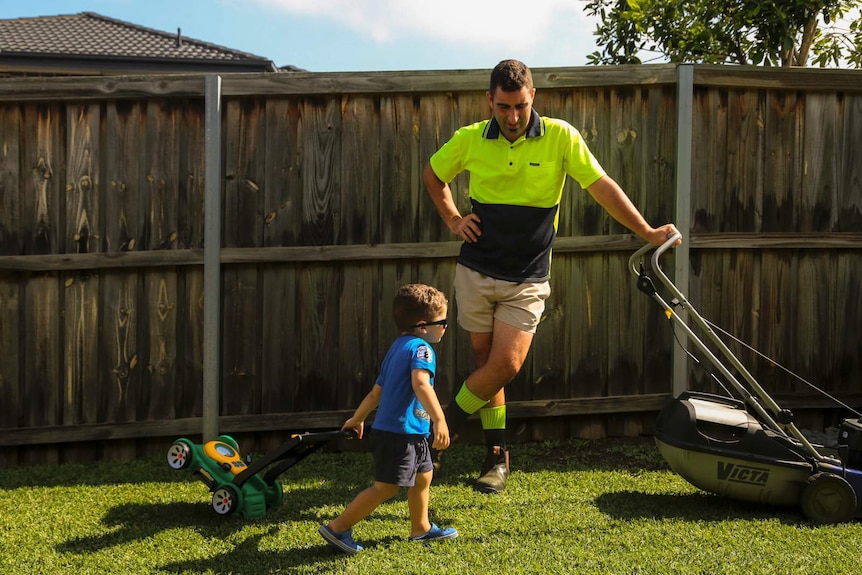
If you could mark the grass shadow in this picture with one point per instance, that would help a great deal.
(138, 521)
(135, 522)
(701, 506)
(320, 558)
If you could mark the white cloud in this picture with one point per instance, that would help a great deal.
(516, 26)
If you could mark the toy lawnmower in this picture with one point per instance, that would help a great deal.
(745, 446)
(236, 483)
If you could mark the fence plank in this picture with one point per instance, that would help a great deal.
(358, 317)
(778, 320)
(321, 174)
(361, 313)
(190, 281)
(818, 206)
(847, 307)
(42, 364)
(742, 206)
(709, 131)
(782, 174)
(850, 176)
(82, 392)
(320, 284)
(43, 140)
(11, 242)
(160, 302)
(123, 233)
(282, 210)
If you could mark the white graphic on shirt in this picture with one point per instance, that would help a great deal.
(424, 353)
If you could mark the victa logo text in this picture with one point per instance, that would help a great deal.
(742, 473)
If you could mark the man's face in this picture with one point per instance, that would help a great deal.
(512, 110)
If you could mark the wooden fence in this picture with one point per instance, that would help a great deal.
(102, 194)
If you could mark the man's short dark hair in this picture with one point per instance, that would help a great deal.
(511, 76)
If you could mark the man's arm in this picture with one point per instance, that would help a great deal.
(466, 227)
(614, 200)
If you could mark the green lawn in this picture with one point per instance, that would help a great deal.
(593, 507)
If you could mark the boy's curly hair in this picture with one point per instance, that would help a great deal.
(511, 76)
(417, 302)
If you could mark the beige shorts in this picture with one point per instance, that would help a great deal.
(482, 299)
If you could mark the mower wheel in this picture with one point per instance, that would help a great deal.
(828, 498)
(179, 455)
(225, 500)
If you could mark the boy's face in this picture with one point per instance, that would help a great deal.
(432, 331)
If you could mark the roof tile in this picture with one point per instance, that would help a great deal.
(91, 34)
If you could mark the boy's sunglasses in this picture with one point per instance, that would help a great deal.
(443, 322)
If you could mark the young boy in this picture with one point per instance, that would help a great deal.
(406, 405)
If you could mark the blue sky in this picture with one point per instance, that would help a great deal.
(361, 35)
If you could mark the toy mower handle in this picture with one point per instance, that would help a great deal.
(327, 435)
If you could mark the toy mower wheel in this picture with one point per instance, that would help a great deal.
(179, 455)
(828, 498)
(225, 500)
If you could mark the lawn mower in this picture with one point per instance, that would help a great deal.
(744, 445)
(236, 483)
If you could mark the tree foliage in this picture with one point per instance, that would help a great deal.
(759, 32)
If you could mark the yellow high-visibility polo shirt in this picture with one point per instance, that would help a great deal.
(515, 189)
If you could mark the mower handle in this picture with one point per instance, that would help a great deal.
(635, 263)
(645, 284)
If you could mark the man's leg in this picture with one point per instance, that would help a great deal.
(495, 469)
(499, 357)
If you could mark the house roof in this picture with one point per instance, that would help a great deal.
(93, 40)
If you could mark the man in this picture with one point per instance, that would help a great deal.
(518, 162)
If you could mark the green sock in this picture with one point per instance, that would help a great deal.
(468, 402)
(493, 417)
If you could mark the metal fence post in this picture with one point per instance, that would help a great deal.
(684, 143)
(212, 258)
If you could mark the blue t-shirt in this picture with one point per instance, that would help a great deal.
(399, 410)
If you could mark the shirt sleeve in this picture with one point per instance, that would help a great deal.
(448, 161)
(423, 358)
(580, 163)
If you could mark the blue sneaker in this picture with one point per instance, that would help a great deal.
(343, 541)
(436, 534)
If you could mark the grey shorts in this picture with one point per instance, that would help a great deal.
(482, 299)
(398, 457)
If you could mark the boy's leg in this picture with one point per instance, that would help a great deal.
(417, 503)
(362, 505)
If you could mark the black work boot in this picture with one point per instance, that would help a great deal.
(494, 471)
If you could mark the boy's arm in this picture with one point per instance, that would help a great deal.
(366, 406)
(421, 380)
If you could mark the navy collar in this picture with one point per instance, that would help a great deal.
(534, 128)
